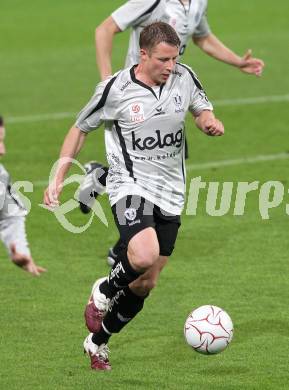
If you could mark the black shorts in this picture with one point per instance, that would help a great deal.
(134, 213)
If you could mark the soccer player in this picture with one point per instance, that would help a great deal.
(187, 17)
(190, 21)
(143, 108)
(12, 219)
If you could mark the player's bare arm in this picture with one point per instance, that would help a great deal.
(209, 124)
(212, 46)
(71, 146)
(25, 262)
(104, 34)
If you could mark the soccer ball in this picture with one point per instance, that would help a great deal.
(208, 329)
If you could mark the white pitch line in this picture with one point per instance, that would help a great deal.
(40, 117)
(215, 164)
(251, 100)
(237, 161)
(219, 103)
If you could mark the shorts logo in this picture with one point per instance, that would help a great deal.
(130, 214)
(136, 112)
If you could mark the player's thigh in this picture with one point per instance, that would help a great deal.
(143, 248)
(134, 218)
(132, 215)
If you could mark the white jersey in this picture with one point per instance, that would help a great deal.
(12, 216)
(188, 19)
(145, 134)
(10, 203)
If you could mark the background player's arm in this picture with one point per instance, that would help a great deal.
(209, 124)
(72, 144)
(104, 35)
(212, 46)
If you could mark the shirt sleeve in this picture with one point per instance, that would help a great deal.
(198, 98)
(99, 109)
(203, 28)
(133, 12)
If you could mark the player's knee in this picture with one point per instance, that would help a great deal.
(145, 259)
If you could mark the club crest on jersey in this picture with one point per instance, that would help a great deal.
(136, 112)
(178, 103)
(177, 100)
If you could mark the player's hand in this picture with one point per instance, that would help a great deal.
(251, 65)
(52, 193)
(213, 127)
(25, 262)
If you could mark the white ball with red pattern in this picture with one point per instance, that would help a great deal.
(208, 329)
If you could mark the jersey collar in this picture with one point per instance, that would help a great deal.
(135, 80)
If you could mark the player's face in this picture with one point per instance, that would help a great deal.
(2, 145)
(160, 62)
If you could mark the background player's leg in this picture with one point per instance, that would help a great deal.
(94, 184)
(115, 252)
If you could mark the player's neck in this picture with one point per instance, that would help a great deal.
(141, 75)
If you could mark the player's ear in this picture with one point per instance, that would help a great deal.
(143, 53)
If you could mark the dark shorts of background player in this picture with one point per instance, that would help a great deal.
(133, 214)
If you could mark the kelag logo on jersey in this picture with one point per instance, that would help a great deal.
(150, 143)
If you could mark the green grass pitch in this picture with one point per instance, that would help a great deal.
(240, 263)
